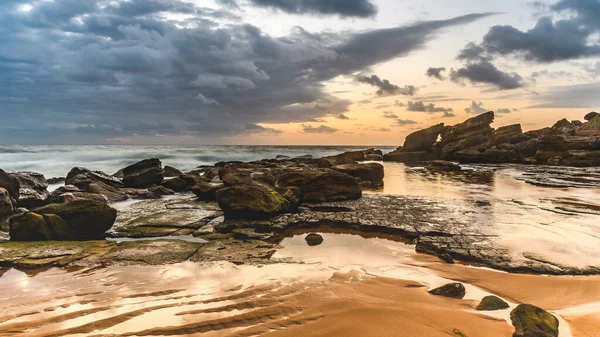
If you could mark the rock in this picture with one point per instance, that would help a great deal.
(551, 146)
(118, 174)
(170, 171)
(313, 239)
(135, 193)
(473, 134)
(564, 127)
(453, 290)
(423, 140)
(175, 184)
(211, 173)
(577, 123)
(351, 157)
(145, 173)
(251, 202)
(192, 178)
(292, 195)
(505, 153)
(88, 177)
(207, 191)
(161, 190)
(531, 321)
(306, 156)
(368, 175)
(32, 189)
(442, 165)
(511, 134)
(111, 193)
(374, 157)
(282, 157)
(6, 204)
(55, 195)
(592, 127)
(321, 185)
(590, 116)
(86, 219)
(56, 180)
(527, 148)
(491, 303)
(31, 226)
(236, 177)
(447, 258)
(408, 157)
(72, 196)
(10, 184)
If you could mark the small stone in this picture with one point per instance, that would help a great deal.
(453, 290)
(491, 303)
(313, 239)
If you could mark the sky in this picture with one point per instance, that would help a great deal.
(289, 72)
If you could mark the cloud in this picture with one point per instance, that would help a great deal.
(255, 128)
(319, 129)
(448, 114)
(579, 96)
(503, 111)
(389, 114)
(342, 116)
(198, 72)
(485, 72)
(436, 73)
(385, 87)
(476, 108)
(549, 40)
(343, 8)
(405, 122)
(422, 107)
(383, 130)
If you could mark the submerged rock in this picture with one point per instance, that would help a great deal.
(251, 201)
(531, 321)
(453, 290)
(321, 185)
(145, 173)
(32, 189)
(442, 165)
(313, 239)
(491, 303)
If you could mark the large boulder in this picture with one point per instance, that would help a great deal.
(32, 189)
(86, 219)
(368, 175)
(145, 173)
(10, 184)
(590, 116)
(81, 176)
(176, 184)
(251, 201)
(423, 140)
(321, 185)
(531, 321)
(111, 193)
(473, 134)
(564, 127)
(170, 171)
(30, 226)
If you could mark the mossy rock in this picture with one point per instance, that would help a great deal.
(251, 201)
(313, 239)
(28, 255)
(531, 321)
(453, 290)
(161, 190)
(491, 303)
(30, 226)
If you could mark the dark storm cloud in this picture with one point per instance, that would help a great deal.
(485, 72)
(549, 40)
(79, 68)
(344, 8)
(319, 129)
(436, 73)
(422, 107)
(385, 87)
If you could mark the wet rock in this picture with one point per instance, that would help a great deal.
(423, 140)
(453, 290)
(442, 165)
(564, 127)
(86, 220)
(505, 153)
(447, 258)
(531, 321)
(409, 157)
(528, 148)
(10, 184)
(170, 171)
(206, 191)
(135, 193)
(236, 178)
(473, 134)
(351, 157)
(82, 176)
(32, 189)
(192, 178)
(590, 116)
(368, 175)
(151, 252)
(31, 226)
(161, 190)
(321, 185)
(251, 202)
(175, 184)
(72, 196)
(6, 204)
(292, 195)
(491, 303)
(145, 173)
(111, 193)
(281, 157)
(56, 180)
(511, 134)
(313, 239)
(551, 146)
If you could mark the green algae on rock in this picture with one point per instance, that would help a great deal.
(490, 303)
(531, 321)
(453, 290)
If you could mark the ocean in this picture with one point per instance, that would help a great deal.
(57, 160)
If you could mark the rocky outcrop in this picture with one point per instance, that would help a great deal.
(418, 146)
(251, 202)
(453, 290)
(368, 175)
(510, 134)
(473, 134)
(352, 157)
(564, 127)
(32, 189)
(143, 174)
(171, 172)
(531, 321)
(590, 116)
(80, 176)
(318, 185)
(408, 157)
(491, 303)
